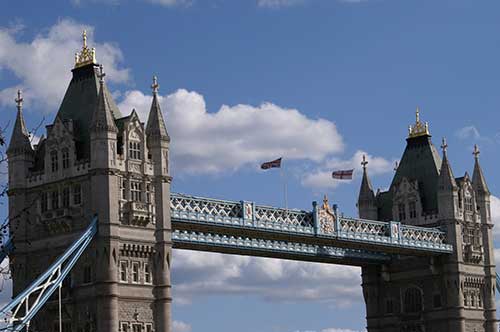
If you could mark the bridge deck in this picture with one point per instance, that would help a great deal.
(318, 235)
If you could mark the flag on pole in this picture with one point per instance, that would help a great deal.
(271, 164)
(343, 175)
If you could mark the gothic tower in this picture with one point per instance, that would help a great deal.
(95, 161)
(447, 293)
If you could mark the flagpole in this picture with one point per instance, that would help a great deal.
(285, 189)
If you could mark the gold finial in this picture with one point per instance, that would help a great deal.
(155, 86)
(325, 202)
(19, 99)
(364, 162)
(476, 152)
(419, 128)
(86, 55)
(84, 37)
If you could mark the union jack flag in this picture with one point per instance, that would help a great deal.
(271, 164)
(343, 175)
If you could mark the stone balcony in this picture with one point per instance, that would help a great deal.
(473, 253)
(138, 213)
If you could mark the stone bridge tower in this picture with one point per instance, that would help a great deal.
(450, 293)
(94, 160)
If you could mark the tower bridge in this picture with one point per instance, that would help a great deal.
(425, 246)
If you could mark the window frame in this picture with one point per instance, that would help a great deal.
(123, 270)
(77, 194)
(135, 273)
(148, 277)
(54, 161)
(65, 158)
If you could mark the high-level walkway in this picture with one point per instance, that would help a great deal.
(322, 235)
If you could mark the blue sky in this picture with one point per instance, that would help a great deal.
(319, 82)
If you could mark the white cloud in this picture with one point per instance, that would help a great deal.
(43, 65)
(235, 136)
(322, 176)
(196, 274)
(178, 326)
(468, 132)
(275, 4)
(171, 3)
(495, 217)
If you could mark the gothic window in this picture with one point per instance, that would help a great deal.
(148, 193)
(136, 327)
(123, 188)
(473, 300)
(468, 202)
(135, 272)
(134, 149)
(136, 191)
(413, 210)
(124, 327)
(77, 194)
(466, 299)
(402, 211)
(54, 198)
(149, 327)
(123, 271)
(87, 274)
(65, 158)
(54, 161)
(437, 300)
(459, 199)
(413, 300)
(147, 274)
(389, 306)
(65, 197)
(44, 206)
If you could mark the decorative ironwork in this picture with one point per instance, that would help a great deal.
(86, 55)
(254, 244)
(285, 216)
(326, 218)
(247, 215)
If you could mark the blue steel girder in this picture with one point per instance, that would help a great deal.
(318, 227)
(18, 313)
(229, 244)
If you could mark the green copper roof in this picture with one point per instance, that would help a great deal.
(79, 104)
(420, 162)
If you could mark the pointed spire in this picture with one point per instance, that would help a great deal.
(102, 119)
(20, 136)
(366, 185)
(156, 124)
(446, 178)
(478, 180)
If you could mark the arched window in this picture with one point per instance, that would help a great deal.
(54, 162)
(413, 300)
(65, 158)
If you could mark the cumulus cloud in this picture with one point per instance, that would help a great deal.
(178, 326)
(234, 136)
(322, 176)
(495, 216)
(43, 65)
(468, 132)
(275, 4)
(196, 274)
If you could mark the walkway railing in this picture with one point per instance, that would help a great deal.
(321, 222)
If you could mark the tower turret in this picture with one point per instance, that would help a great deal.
(19, 152)
(367, 205)
(158, 143)
(103, 130)
(482, 194)
(447, 190)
